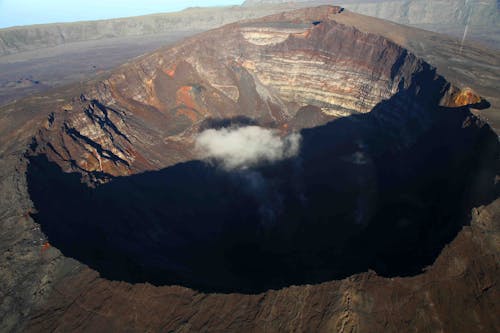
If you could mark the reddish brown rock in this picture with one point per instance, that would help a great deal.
(466, 97)
(457, 97)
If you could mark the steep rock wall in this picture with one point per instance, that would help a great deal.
(145, 114)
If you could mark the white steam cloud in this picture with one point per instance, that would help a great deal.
(244, 147)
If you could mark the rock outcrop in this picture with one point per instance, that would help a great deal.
(463, 97)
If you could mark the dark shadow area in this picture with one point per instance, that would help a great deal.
(383, 191)
(484, 104)
(238, 121)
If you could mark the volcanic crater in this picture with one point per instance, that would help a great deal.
(388, 168)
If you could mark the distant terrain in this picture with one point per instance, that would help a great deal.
(29, 72)
(440, 16)
(25, 38)
(444, 16)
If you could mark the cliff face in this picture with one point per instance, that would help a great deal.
(390, 153)
(269, 70)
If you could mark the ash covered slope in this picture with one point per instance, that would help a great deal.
(145, 115)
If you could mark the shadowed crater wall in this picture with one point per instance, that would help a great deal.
(362, 194)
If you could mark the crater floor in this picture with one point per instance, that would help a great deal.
(354, 199)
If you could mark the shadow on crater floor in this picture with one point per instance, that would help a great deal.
(369, 191)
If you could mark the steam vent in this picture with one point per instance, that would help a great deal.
(288, 173)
